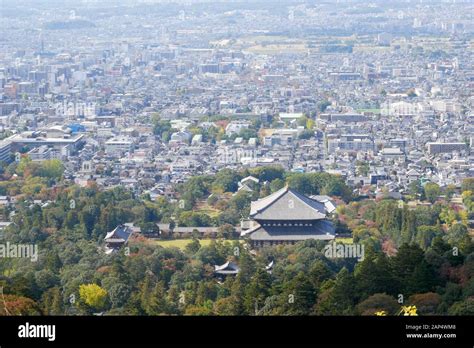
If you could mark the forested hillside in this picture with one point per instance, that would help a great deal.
(419, 255)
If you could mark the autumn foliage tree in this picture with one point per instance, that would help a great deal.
(93, 296)
(18, 305)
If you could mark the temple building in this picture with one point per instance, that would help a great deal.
(287, 217)
(115, 239)
(227, 269)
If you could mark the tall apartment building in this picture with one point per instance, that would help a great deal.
(436, 147)
(5, 151)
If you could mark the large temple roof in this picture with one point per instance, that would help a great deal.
(287, 204)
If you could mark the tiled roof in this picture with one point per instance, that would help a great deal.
(287, 204)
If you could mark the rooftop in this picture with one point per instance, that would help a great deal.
(287, 204)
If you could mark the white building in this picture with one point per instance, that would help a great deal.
(116, 146)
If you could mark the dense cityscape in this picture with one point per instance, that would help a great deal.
(236, 157)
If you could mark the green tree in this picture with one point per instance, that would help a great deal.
(52, 169)
(52, 302)
(318, 273)
(415, 188)
(301, 183)
(337, 297)
(322, 106)
(23, 166)
(374, 275)
(299, 296)
(337, 187)
(363, 168)
(157, 302)
(238, 295)
(226, 181)
(450, 190)
(432, 192)
(467, 184)
(425, 235)
(160, 126)
(119, 294)
(378, 303)
(257, 291)
(465, 307)
(408, 229)
(408, 257)
(458, 236)
(276, 185)
(268, 173)
(423, 279)
(193, 247)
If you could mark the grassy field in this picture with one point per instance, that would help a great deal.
(180, 243)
